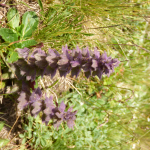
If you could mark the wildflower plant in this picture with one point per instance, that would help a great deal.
(39, 63)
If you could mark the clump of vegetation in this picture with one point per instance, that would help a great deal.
(102, 111)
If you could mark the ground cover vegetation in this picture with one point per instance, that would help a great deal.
(101, 48)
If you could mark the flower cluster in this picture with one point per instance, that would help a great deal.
(41, 63)
(49, 110)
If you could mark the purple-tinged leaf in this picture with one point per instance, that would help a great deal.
(75, 63)
(36, 95)
(23, 100)
(70, 124)
(24, 53)
(57, 123)
(75, 71)
(62, 107)
(36, 107)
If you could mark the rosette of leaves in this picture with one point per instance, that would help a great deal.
(47, 107)
(20, 32)
(17, 35)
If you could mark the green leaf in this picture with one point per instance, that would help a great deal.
(12, 57)
(2, 64)
(2, 45)
(37, 142)
(30, 124)
(5, 76)
(36, 83)
(1, 125)
(22, 147)
(24, 140)
(13, 18)
(53, 84)
(30, 134)
(3, 142)
(88, 34)
(46, 135)
(40, 4)
(43, 142)
(19, 29)
(30, 21)
(21, 135)
(26, 43)
(8, 35)
(2, 85)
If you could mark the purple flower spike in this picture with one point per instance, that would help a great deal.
(47, 107)
(39, 63)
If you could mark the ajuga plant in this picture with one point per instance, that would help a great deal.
(46, 106)
(39, 63)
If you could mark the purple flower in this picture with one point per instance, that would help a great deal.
(76, 63)
(86, 62)
(33, 99)
(27, 69)
(64, 62)
(97, 64)
(36, 107)
(103, 64)
(41, 60)
(36, 95)
(24, 96)
(52, 59)
(48, 111)
(68, 116)
(58, 118)
(23, 100)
